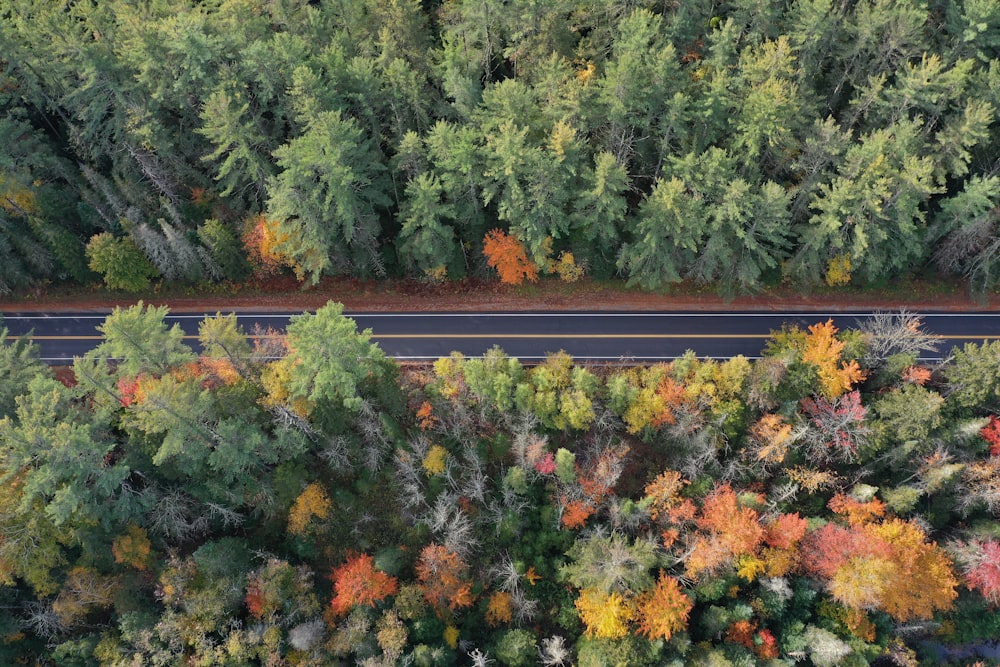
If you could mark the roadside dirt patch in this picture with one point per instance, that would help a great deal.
(284, 294)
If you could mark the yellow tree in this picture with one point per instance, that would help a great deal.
(925, 581)
(770, 438)
(312, 502)
(823, 350)
(605, 615)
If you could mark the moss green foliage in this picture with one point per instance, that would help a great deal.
(729, 143)
(539, 540)
(120, 262)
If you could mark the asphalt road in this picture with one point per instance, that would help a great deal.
(597, 337)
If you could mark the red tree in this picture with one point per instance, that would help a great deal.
(357, 582)
(983, 571)
(991, 434)
(786, 531)
(827, 549)
(126, 387)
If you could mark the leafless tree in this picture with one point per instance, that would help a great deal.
(553, 652)
(505, 574)
(228, 517)
(980, 486)
(453, 525)
(375, 441)
(177, 516)
(888, 334)
(42, 620)
(409, 481)
(480, 658)
(972, 250)
(335, 452)
(524, 608)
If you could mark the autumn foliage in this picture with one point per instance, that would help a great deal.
(605, 615)
(357, 582)
(749, 518)
(132, 548)
(499, 610)
(261, 241)
(575, 513)
(443, 578)
(425, 416)
(916, 375)
(506, 254)
(727, 528)
(663, 610)
(126, 390)
(664, 499)
(771, 437)
(823, 350)
(671, 396)
(312, 502)
(982, 572)
(659, 401)
(839, 427)
(856, 512)
(888, 565)
(785, 531)
(991, 434)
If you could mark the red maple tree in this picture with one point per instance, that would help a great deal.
(991, 434)
(825, 550)
(126, 388)
(357, 582)
(983, 571)
(786, 531)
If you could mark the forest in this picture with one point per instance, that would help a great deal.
(302, 499)
(741, 144)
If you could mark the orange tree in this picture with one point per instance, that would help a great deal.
(507, 255)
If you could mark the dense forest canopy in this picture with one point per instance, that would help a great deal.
(304, 500)
(737, 143)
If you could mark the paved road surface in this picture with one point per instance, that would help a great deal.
(603, 336)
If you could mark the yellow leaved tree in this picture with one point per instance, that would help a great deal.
(605, 615)
(312, 502)
(823, 350)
